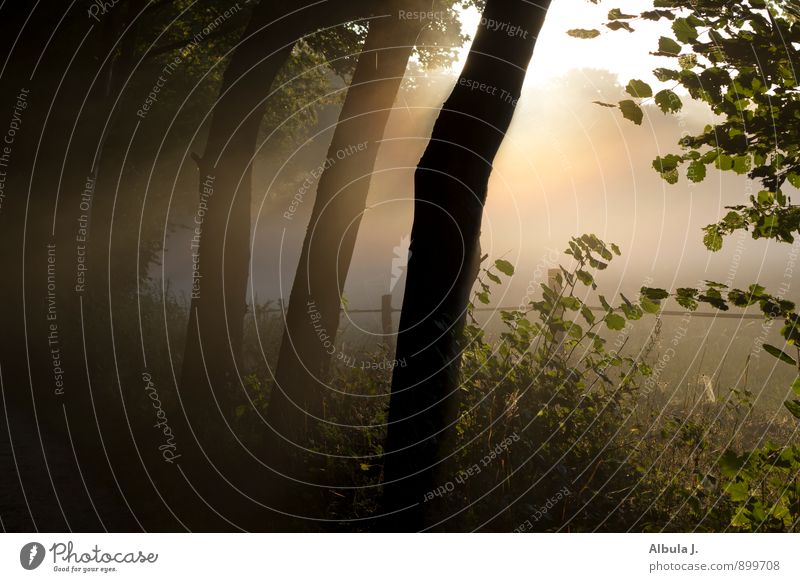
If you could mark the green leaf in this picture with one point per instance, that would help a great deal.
(685, 296)
(616, 250)
(630, 110)
(780, 354)
(585, 277)
(684, 31)
(738, 490)
(687, 62)
(638, 88)
(793, 406)
(666, 164)
(712, 239)
(614, 321)
(664, 75)
(616, 14)
(796, 386)
(587, 315)
(618, 24)
(583, 33)
(668, 46)
(668, 101)
(649, 306)
(493, 278)
(654, 293)
(724, 162)
(504, 267)
(696, 171)
(730, 463)
(741, 164)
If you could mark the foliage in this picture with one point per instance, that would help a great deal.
(741, 59)
(763, 483)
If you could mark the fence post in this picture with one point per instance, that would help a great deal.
(386, 320)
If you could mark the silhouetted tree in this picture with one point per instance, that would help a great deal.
(218, 306)
(450, 190)
(331, 236)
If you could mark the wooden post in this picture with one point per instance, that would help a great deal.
(386, 320)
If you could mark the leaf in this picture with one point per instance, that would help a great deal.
(793, 406)
(668, 46)
(712, 239)
(585, 277)
(724, 162)
(738, 490)
(668, 101)
(630, 110)
(614, 321)
(504, 267)
(493, 278)
(583, 33)
(685, 296)
(483, 297)
(618, 24)
(654, 293)
(616, 250)
(684, 31)
(696, 171)
(638, 88)
(687, 62)
(796, 386)
(741, 164)
(664, 75)
(667, 163)
(780, 354)
(730, 463)
(603, 104)
(649, 306)
(616, 14)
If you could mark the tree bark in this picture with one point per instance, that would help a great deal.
(450, 190)
(221, 241)
(221, 249)
(296, 400)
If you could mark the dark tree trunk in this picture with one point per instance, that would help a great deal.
(210, 374)
(222, 237)
(330, 239)
(450, 190)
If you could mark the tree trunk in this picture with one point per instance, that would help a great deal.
(450, 190)
(221, 237)
(221, 242)
(296, 400)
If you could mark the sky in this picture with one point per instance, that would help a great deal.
(623, 53)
